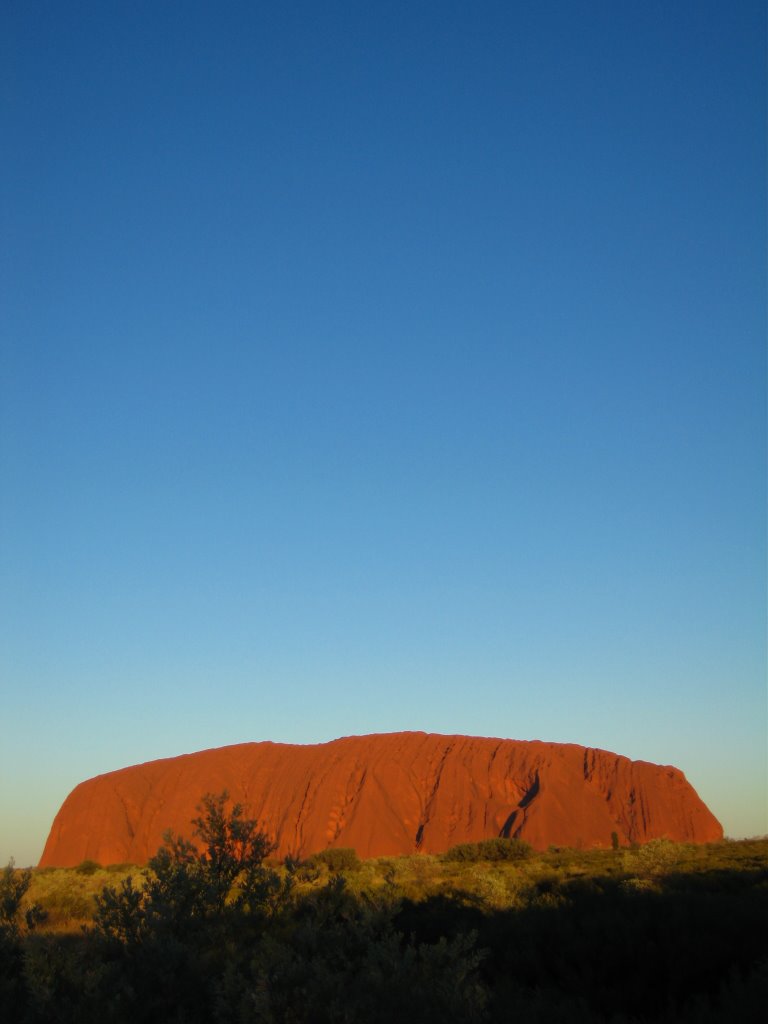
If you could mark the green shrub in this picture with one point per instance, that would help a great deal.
(88, 867)
(654, 858)
(16, 915)
(337, 859)
(490, 849)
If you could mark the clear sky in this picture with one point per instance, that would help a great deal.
(369, 367)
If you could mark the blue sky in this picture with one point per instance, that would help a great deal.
(376, 367)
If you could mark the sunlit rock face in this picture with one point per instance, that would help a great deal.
(397, 793)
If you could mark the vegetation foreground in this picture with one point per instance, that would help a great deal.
(215, 932)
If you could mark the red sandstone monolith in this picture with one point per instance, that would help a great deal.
(397, 793)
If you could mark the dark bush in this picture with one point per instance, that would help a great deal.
(337, 859)
(186, 887)
(490, 849)
(15, 924)
(88, 867)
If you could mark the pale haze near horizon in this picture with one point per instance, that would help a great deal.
(378, 369)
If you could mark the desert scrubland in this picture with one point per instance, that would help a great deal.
(488, 931)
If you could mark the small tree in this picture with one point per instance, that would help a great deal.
(13, 888)
(184, 886)
(234, 847)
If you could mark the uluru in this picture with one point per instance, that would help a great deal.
(388, 794)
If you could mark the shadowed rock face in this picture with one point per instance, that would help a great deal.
(397, 793)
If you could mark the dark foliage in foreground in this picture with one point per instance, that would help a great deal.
(216, 935)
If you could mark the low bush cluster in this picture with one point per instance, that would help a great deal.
(88, 867)
(337, 859)
(490, 849)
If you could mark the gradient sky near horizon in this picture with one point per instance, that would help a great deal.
(369, 367)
